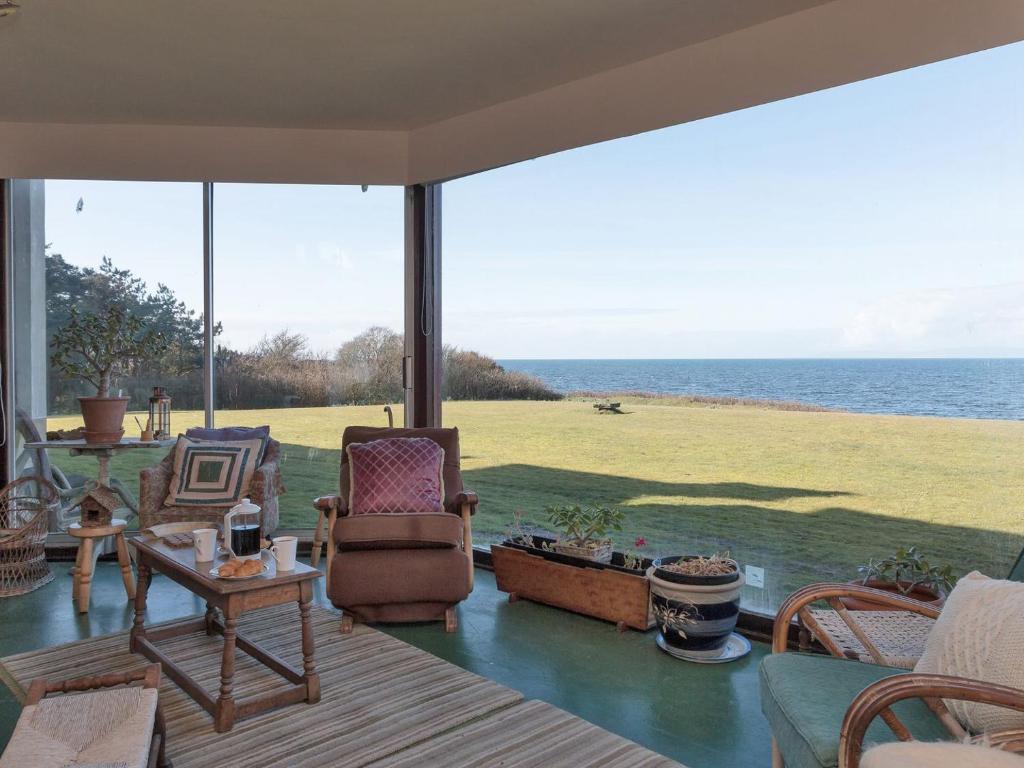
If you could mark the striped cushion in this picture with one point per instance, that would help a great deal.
(212, 474)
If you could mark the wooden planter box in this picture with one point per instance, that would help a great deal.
(609, 593)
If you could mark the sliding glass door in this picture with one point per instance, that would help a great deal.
(307, 288)
(308, 305)
(79, 248)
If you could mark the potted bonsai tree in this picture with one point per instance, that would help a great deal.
(99, 348)
(583, 530)
(905, 572)
(696, 601)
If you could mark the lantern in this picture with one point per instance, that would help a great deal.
(160, 413)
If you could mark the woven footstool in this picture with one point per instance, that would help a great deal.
(104, 721)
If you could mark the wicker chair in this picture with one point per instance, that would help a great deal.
(264, 489)
(106, 720)
(25, 509)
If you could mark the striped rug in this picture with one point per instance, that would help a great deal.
(384, 703)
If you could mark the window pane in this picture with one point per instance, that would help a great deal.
(809, 312)
(308, 303)
(107, 244)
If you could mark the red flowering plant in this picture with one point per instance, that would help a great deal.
(634, 559)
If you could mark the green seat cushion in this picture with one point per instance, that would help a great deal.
(805, 697)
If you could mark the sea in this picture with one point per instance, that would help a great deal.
(951, 387)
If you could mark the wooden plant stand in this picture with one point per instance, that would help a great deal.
(604, 593)
(231, 599)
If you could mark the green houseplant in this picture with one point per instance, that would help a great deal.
(583, 530)
(905, 572)
(99, 348)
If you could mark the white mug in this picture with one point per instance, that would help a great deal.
(283, 550)
(205, 543)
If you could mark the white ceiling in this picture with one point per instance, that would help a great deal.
(405, 91)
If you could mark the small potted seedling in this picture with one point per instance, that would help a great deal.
(99, 348)
(696, 601)
(583, 530)
(905, 572)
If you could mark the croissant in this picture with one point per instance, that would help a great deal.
(250, 568)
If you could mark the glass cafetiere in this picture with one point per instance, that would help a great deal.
(242, 534)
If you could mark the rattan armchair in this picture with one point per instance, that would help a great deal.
(871, 698)
(25, 509)
(877, 700)
(897, 636)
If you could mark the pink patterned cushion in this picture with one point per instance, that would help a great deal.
(397, 474)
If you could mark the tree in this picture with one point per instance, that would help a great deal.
(369, 367)
(101, 347)
(91, 292)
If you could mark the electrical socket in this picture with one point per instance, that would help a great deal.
(755, 576)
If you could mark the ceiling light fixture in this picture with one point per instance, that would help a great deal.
(7, 7)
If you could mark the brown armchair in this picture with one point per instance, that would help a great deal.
(264, 489)
(399, 567)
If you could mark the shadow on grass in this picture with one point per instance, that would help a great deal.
(745, 518)
(615, 489)
(798, 546)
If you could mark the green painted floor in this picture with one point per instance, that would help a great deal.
(705, 716)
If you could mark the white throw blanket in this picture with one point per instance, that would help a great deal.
(980, 635)
(917, 754)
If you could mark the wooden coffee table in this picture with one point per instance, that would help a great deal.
(231, 598)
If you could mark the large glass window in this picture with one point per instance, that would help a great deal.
(137, 246)
(308, 304)
(809, 312)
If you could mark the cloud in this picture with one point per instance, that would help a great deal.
(978, 319)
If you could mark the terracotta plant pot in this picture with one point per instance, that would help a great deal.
(104, 417)
(923, 594)
(696, 614)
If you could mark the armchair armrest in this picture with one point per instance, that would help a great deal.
(799, 600)
(467, 498)
(328, 504)
(153, 484)
(266, 482)
(149, 676)
(877, 698)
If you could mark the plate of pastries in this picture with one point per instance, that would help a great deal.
(240, 569)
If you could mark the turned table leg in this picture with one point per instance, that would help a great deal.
(308, 667)
(210, 618)
(138, 625)
(225, 718)
(85, 567)
(125, 561)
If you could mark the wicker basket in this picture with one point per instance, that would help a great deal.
(25, 506)
(600, 554)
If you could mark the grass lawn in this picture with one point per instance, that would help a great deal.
(807, 496)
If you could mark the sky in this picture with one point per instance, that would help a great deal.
(877, 219)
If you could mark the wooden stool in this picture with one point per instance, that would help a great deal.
(85, 563)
